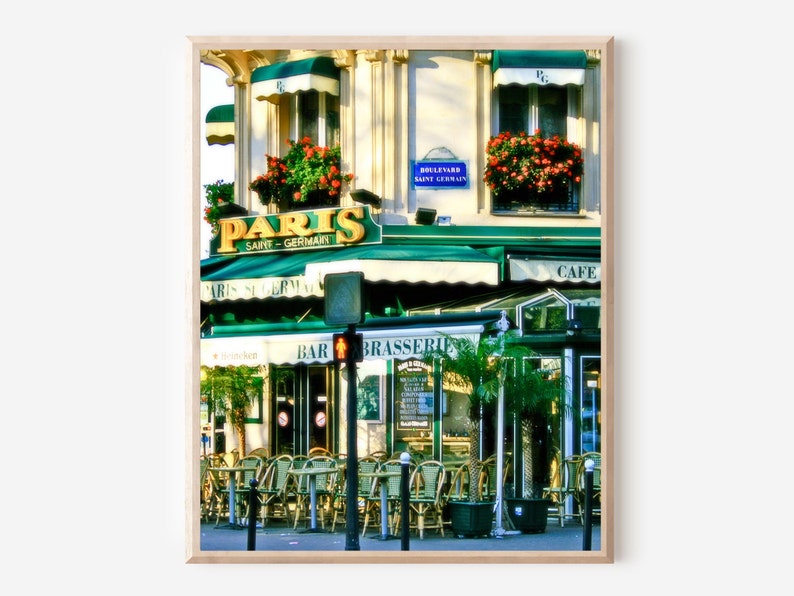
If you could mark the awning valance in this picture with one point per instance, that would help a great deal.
(282, 275)
(258, 276)
(410, 264)
(548, 270)
(402, 338)
(220, 125)
(319, 74)
(538, 67)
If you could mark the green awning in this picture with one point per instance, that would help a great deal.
(320, 74)
(260, 276)
(260, 344)
(259, 265)
(281, 275)
(220, 125)
(410, 264)
(538, 67)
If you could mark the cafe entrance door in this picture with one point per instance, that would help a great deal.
(303, 403)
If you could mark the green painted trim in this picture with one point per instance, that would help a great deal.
(372, 323)
(492, 235)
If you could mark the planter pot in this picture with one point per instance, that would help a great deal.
(312, 199)
(470, 520)
(317, 198)
(264, 197)
(228, 209)
(529, 516)
(531, 197)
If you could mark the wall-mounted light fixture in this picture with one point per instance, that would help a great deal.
(574, 328)
(364, 196)
(425, 217)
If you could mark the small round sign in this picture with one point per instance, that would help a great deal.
(283, 419)
(319, 419)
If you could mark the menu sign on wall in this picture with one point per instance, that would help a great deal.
(413, 395)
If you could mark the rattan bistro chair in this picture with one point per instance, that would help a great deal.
(373, 512)
(260, 452)
(252, 467)
(426, 486)
(488, 476)
(366, 464)
(324, 486)
(568, 489)
(272, 490)
(458, 488)
(595, 457)
(555, 491)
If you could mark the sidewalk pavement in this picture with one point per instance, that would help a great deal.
(282, 538)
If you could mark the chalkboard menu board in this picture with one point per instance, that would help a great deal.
(413, 395)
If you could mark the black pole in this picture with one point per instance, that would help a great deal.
(351, 472)
(253, 502)
(405, 503)
(588, 505)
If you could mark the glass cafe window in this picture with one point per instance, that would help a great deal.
(590, 400)
(527, 108)
(317, 117)
(550, 314)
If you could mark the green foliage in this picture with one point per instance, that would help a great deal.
(471, 366)
(532, 395)
(476, 368)
(272, 185)
(532, 392)
(480, 367)
(543, 166)
(231, 391)
(305, 168)
(217, 194)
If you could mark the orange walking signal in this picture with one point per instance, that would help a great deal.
(348, 345)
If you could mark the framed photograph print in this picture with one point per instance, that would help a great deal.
(458, 405)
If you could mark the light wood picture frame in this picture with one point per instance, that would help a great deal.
(375, 99)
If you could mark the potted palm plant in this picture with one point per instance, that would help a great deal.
(475, 368)
(532, 395)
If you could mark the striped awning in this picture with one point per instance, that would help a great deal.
(319, 74)
(395, 337)
(281, 275)
(410, 264)
(220, 125)
(538, 67)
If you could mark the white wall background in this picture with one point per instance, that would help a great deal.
(95, 106)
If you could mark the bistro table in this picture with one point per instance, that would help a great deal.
(382, 478)
(232, 470)
(312, 474)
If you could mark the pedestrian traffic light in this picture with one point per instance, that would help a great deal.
(348, 345)
(344, 298)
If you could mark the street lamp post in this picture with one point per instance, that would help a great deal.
(502, 325)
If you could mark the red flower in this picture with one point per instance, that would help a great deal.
(522, 161)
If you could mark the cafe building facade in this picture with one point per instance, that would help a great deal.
(439, 254)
